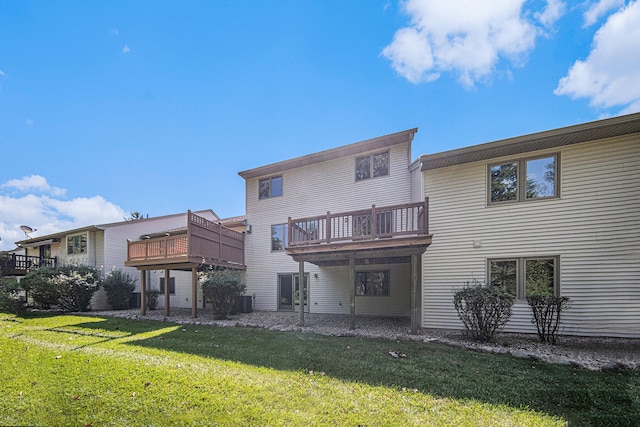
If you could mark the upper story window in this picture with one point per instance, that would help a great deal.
(77, 244)
(523, 179)
(270, 187)
(524, 277)
(372, 166)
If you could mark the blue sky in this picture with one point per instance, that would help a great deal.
(153, 106)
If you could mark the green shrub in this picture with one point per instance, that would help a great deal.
(118, 285)
(6, 262)
(483, 309)
(546, 315)
(75, 286)
(221, 288)
(152, 298)
(37, 285)
(10, 299)
(69, 288)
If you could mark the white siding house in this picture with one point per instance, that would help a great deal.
(315, 185)
(589, 225)
(104, 247)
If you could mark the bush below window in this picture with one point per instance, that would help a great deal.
(69, 288)
(546, 315)
(483, 309)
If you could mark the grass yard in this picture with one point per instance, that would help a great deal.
(93, 371)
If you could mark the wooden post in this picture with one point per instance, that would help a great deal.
(194, 292)
(301, 290)
(374, 229)
(426, 215)
(143, 292)
(352, 294)
(189, 231)
(328, 227)
(167, 309)
(219, 228)
(414, 294)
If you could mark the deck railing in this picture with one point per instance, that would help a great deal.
(22, 264)
(366, 224)
(203, 239)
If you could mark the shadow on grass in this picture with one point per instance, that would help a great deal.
(580, 396)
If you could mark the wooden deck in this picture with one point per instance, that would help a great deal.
(385, 234)
(202, 243)
(20, 265)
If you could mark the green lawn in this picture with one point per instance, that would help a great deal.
(94, 371)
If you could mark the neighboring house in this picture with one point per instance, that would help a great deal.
(344, 220)
(556, 211)
(371, 232)
(105, 247)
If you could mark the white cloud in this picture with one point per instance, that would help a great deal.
(48, 212)
(126, 49)
(467, 37)
(551, 13)
(610, 75)
(2, 73)
(599, 9)
(29, 122)
(114, 32)
(33, 183)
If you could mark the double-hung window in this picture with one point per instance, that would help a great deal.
(372, 166)
(524, 179)
(270, 187)
(524, 277)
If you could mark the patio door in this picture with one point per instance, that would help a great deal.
(289, 291)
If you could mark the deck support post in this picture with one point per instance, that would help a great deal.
(352, 293)
(167, 309)
(301, 290)
(414, 294)
(194, 292)
(143, 292)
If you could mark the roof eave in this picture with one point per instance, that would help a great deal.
(592, 131)
(334, 153)
(57, 235)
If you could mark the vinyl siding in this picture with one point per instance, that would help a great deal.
(311, 191)
(115, 249)
(107, 250)
(594, 229)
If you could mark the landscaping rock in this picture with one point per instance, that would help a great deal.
(585, 352)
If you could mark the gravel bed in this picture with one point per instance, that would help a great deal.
(587, 352)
